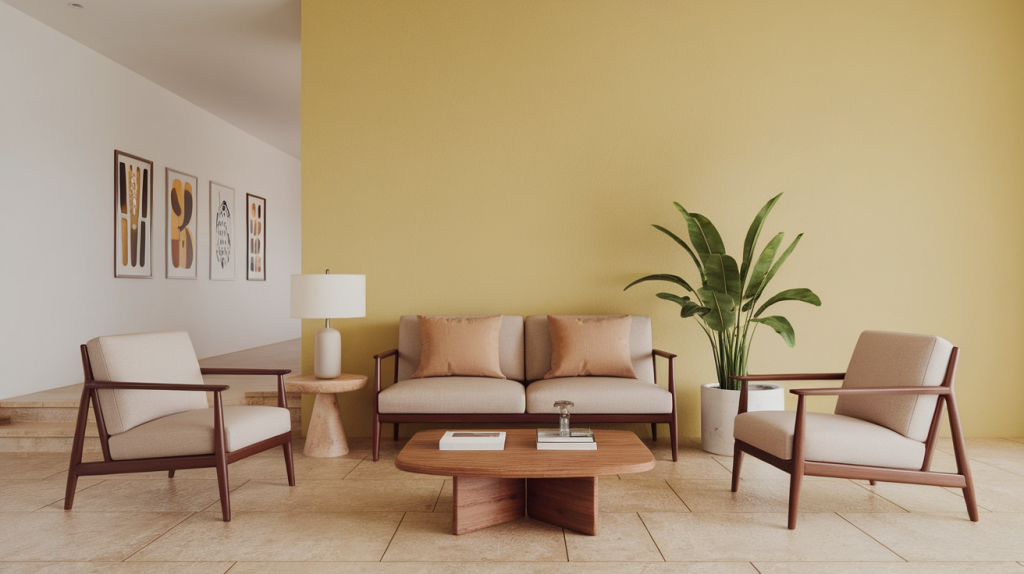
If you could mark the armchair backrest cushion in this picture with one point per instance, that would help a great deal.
(884, 359)
(145, 358)
(538, 347)
(510, 347)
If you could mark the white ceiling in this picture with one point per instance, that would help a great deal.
(240, 60)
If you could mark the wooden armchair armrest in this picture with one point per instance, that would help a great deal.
(665, 354)
(386, 354)
(792, 377)
(747, 379)
(155, 386)
(377, 371)
(236, 371)
(279, 373)
(873, 391)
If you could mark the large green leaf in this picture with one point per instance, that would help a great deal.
(805, 295)
(664, 277)
(781, 326)
(775, 269)
(703, 235)
(764, 263)
(720, 316)
(684, 246)
(723, 275)
(752, 235)
(689, 308)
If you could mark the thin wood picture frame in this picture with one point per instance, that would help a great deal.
(222, 232)
(133, 216)
(256, 238)
(182, 245)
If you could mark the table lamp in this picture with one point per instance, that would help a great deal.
(324, 297)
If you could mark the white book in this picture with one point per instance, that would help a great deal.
(567, 446)
(473, 440)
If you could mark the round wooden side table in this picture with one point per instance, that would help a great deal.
(326, 435)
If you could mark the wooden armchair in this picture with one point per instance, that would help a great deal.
(885, 423)
(149, 400)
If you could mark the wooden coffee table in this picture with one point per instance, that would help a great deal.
(554, 486)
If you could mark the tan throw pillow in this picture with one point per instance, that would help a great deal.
(590, 346)
(466, 346)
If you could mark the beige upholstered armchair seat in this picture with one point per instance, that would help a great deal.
(149, 401)
(830, 438)
(884, 426)
(453, 395)
(598, 395)
(190, 433)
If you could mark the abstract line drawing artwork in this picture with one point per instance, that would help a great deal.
(256, 235)
(222, 232)
(133, 216)
(182, 214)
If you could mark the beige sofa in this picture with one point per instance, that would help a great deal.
(524, 396)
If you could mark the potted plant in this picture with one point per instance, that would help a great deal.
(727, 307)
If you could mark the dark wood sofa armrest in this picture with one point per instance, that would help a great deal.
(873, 391)
(237, 371)
(664, 354)
(377, 371)
(655, 353)
(155, 386)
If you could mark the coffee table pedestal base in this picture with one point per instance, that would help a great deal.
(482, 502)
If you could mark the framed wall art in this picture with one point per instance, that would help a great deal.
(222, 232)
(256, 232)
(182, 214)
(133, 216)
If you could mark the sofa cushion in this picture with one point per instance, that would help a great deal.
(538, 347)
(145, 358)
(598, 395)
(883, 359)
(465, 346)
(453, 395)
(589, 347)
(191, 433)
(510, 347)
(830, 438)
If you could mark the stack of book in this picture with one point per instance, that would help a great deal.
(577, 439)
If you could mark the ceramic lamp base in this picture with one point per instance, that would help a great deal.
(327, 354)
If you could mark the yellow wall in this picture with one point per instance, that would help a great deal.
(509, 157)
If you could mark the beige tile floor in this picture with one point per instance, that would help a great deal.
(350, 514)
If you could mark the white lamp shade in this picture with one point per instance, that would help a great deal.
(328, 296)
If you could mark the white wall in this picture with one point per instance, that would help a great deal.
(64, 109)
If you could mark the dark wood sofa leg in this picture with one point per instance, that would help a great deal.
(376, 438)
(737, 465)
(673, 434)
(654, 432)
(170, 473)
(794, 497)
(222, 483)
(288, 463)
(396, 432)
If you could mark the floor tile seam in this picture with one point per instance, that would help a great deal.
(648, 529)
(958, 492)
(879, 542)
(159, 536)
(679, 496)
(754, 566)
(230, 568)
(865, 487)
(438, 500)
(392, 539)
(565, 544)
(995, 465)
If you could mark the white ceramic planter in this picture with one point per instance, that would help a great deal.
(718, 410)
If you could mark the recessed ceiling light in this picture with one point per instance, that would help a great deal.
(76, 6)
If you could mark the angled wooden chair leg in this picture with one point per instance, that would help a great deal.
(222, 483)
(963, 466)
(170, 473)
(654, 432)
(288, 463)
(794, 497)
(396, 432)
(872, 482)
(737, 464)
(77, 446)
